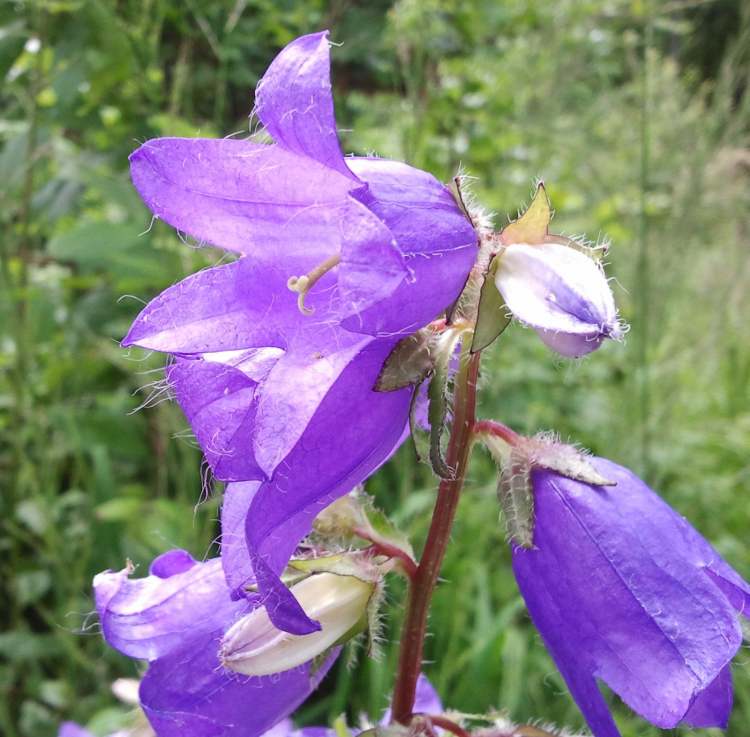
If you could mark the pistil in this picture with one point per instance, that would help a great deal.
(303, 284)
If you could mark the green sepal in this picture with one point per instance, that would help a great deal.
(493, 316)
(410, 362)
(516, 497)
(566, 460)
(437, 410)
(342, 564)
(382, 528)
(532, 226)
(355, 517)
(340, 727)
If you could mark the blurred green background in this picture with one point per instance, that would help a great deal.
(637, 115)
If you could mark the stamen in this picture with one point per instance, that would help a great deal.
(303, 284)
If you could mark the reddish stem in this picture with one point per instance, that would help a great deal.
(446, 723)
(380, 547)
(492, 427)
(428, 570)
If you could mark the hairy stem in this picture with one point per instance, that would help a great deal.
(423, 585)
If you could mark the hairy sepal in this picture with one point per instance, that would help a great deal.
(355, 517)
(516, 497)
(410, 362)
(564, 459)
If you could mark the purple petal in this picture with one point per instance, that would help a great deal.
(371, 266)
(225, 308)
(575, 666)
(188, 694)
(284, 728)
(243, 196)
(238, 569)
(426, 701)
(713, 706)
(149, 617)
(294, 102)
(734, 587)
(438, 243)
(312, 365)
(218, 401)
(417, 300)
(571, 345)
(630, 604)
(352, 432)
(560, 292)
(170, 563)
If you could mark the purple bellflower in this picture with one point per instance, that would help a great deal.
(560, 292)
(176, 618)
(624, 590)
(237, 332)
(552, 283)
(275, 397)
(400, 246)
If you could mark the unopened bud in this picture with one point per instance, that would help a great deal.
(254, 647)
(560, 292)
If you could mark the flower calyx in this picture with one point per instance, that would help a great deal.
(426, 356)
(355, 518)
(517, 457)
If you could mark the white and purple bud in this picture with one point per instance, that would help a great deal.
(341, 605)
(560, 292)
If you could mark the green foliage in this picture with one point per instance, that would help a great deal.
(569, 91)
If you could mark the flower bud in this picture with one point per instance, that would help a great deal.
(560, 292)
(254, 647)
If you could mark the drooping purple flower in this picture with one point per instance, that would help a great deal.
(175, 618)
(400, 246)
(560, 292)
(624, 590)
(277, 397)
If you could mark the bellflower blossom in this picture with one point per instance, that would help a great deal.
(175, 618)
(239, 338)
(400, 245)
(552, 283)
(276, 397)
(624, 590)
(560, 292)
